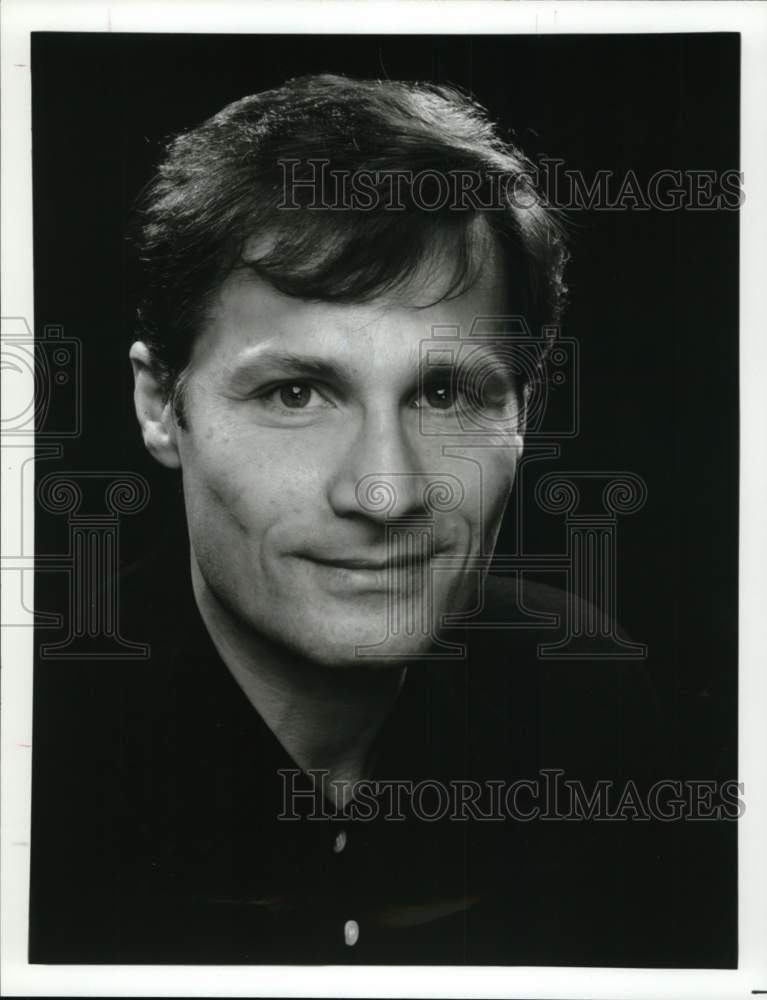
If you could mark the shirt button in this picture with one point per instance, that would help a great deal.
(351, 932)
(340, 842)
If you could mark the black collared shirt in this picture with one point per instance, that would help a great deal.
(163, 831)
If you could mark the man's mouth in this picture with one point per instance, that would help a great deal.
(375, 564)
(401, 573)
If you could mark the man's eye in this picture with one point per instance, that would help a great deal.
(466, 395)
(295, 396)
(438, 396)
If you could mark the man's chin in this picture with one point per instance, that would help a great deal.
(372, 630)
(361, 655)
(363, 645)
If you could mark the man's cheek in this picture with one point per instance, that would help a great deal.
(498, 482)
(221, 522)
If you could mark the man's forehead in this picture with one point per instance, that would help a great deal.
(250, 318)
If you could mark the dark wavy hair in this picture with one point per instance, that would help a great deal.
(222, 183)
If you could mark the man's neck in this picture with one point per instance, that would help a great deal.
(325, 718)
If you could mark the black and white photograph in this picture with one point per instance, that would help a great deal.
(383, 451)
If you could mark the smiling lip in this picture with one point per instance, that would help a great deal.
(346, 577)
(374, 565)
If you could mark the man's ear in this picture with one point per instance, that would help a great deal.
(155, 415)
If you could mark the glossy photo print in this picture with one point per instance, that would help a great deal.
(386, 499)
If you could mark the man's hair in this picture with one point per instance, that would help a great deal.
(223, 184)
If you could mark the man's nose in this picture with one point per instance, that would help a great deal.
(383, 474)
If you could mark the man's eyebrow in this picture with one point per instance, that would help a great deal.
(286, 363)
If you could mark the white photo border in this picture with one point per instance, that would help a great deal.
(19, 19)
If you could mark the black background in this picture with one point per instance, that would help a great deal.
(654, 296)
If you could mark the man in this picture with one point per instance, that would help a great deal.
(299, 377)
(273, 784)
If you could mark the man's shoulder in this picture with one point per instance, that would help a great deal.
(518, 593)
(562, 624)
(579, 707)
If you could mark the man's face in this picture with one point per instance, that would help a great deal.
(312, 462)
